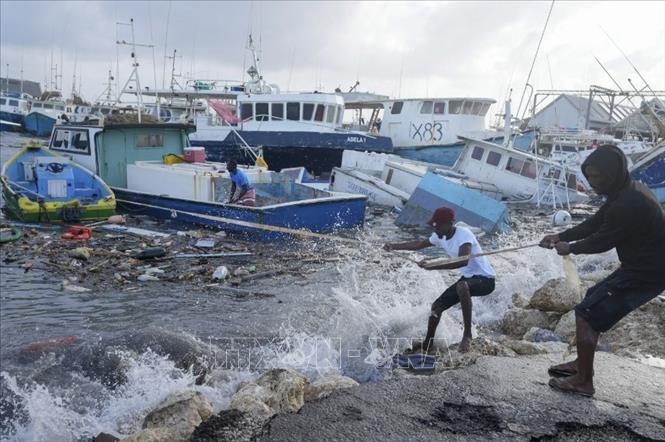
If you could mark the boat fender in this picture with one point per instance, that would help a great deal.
(78, 233)
(561, 218)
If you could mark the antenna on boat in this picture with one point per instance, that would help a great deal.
(134, 75)
(166, 39)
(533, 63)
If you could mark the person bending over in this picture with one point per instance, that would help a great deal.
(632, 221)
(477, 273)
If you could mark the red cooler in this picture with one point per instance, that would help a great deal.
(195, 154)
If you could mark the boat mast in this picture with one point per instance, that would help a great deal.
(134, 75)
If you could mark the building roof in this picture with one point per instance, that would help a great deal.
(14, 85)
(639, 120)
(599, 112)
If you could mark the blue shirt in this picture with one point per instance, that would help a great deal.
(240, 179)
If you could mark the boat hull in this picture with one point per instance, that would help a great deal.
(25, 210)
(319, 215)
(11, 122)
(39, 124)
(317, 152)
(41, 186)
(651, 171)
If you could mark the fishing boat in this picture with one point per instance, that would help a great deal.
(43, 116)
(39, 185)
(650, 169)
(137, 162)
(13, 109)
(291, 129)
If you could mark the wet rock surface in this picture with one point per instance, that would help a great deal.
(497, 398)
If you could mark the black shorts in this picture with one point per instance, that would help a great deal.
(478, 286)
(614, 297)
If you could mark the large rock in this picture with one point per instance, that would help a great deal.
(286, 389)
(498, 399)
(252, 399)
(322, 387)
(181, 413)
(229, 425)
(518, 321)
(566, 326)
(557, 295)
(151, 435)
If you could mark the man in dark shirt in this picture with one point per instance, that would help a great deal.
(632, 221)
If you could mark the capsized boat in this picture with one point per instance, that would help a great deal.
(650, 169)
(136, 160)
(39, 185)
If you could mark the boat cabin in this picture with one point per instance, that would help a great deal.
(14, 104)
(414, 122)
(305, 112)
(517, 174)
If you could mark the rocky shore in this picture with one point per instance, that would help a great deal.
(497, 391)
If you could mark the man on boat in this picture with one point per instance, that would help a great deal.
(477, 273)
(632, 221)
(240, 181)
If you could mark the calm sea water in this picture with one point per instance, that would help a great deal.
(131, 350)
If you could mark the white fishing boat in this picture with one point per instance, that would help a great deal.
(518, 175)
(424, 129)
(13, 109)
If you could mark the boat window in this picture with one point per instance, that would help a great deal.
(477, 153)
(95, 110)
(246, 111)
(293, 111)
(105, 111)
(48, 106)
(330, 116)
(493, 158)
(36, 105)
(61, 139)
(455, 107)
(340, 114)
(426, 107)
(440, 107)
(80, 141)
(514, 165)
(468, 108)
(318, 116)
(60, 107)
(529, 169)
(571, 181)
(3, 101)
(477, 107)
(397, 107)
(277, 111)
(486, 107)
(13, 102)
(150, 141)
(261, 112)
(307, 111)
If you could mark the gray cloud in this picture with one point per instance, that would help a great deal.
(448, 48)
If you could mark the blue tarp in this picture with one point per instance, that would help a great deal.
(471, 206)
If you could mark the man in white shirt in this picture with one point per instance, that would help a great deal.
(477, 273)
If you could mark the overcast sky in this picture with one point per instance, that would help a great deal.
(435, 48)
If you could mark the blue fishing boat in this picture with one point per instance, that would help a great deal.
(470, 205)
(137, 162)
(39, 123)
(38, 185)
(650, 169)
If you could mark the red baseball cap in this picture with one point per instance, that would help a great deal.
(442, 215)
